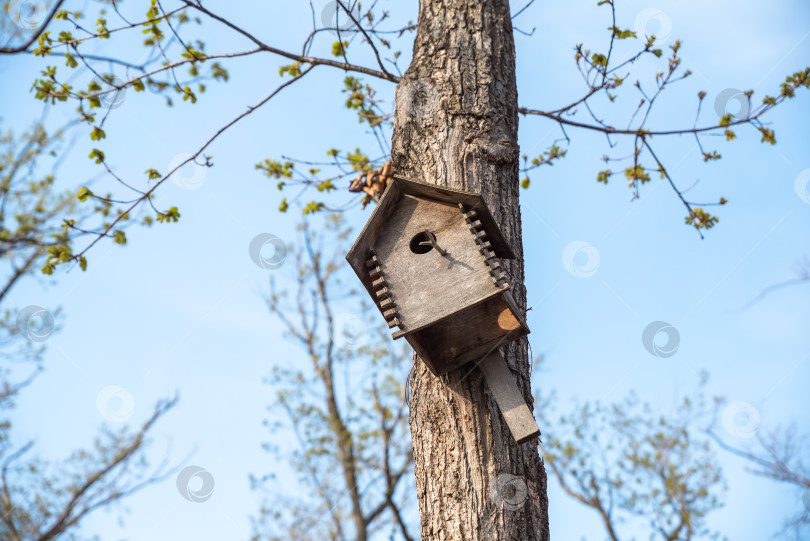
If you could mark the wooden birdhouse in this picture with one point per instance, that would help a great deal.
(428, 256)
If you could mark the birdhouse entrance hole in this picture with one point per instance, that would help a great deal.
(421, 244)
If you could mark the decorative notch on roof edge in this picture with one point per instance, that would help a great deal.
(484, 246)
(381, 292)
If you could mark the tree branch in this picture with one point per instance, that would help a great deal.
(147, 193)
(292, 56)
(35, 35)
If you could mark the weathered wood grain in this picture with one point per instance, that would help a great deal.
(510, 400)
(428, 287)
(471, 333)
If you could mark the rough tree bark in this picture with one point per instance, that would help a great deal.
(456, 125)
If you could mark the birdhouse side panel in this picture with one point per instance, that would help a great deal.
(424, 284)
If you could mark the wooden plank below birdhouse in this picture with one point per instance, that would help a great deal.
(510, 400)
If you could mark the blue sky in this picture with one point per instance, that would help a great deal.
(181, 307)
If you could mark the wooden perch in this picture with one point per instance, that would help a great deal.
(510, 400)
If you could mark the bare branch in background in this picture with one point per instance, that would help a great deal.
(353, 451)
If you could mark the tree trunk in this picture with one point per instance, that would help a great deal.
(456, 125)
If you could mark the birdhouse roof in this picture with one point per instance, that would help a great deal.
(399, 187)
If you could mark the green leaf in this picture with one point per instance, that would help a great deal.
(525, 183)
(192, 54)
(97, 154)
(119, 237)
(283, 206)
(44, 42)
(767, 136)
(169, 216)
(326, 186)
(599, 60)
(637, 172)
(622, 34)
(218, 72)
(97, 134)
(313, 207)
(83, 194)
(101, 25)
(188, 94)
(358, 160)
(293, 70)
(701, 219)
(152, 174)
(339, 48)
(274, 169)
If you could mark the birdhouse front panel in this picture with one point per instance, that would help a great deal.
(424, 284)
